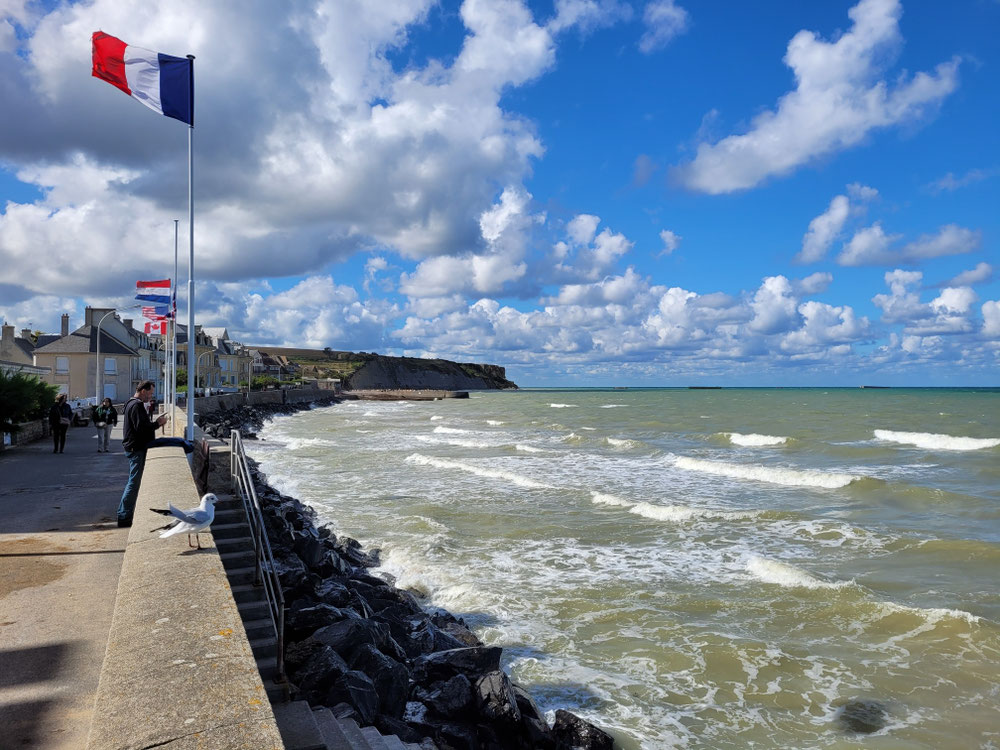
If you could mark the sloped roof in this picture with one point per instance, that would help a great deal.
(84, 341)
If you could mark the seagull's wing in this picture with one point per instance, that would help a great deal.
(188, 516)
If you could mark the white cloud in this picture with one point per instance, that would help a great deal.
(950, 183)
(774, 306)
(587, 15)
(991, 319)
(838, 100)
(581, 229)
(671, 241)
(823, 230)
(982, 273)
(872, 247)
(861, 193)
(814, 283)
(664, 20)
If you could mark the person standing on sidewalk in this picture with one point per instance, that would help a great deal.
(60, 416)
(137, 434)
(105, 417)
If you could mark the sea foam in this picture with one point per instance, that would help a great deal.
(753, 439)
(601, 498)
(772, 474)
(450, 431)
(681, 513)
(563, 406)
(783, 574)
(444, 463)
(935, 442)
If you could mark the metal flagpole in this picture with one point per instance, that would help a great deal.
(173, 335)
(190, 358)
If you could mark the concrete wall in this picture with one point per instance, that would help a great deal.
(209, 404)
(178, 672)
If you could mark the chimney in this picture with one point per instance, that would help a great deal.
(65, 324)
(8, 336)
(127, 322)
(26, 334)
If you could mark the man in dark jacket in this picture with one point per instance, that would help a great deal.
(138, 432)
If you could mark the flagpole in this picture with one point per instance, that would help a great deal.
(190, 358)
(173, 336)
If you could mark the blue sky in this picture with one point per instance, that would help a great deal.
(591, 192)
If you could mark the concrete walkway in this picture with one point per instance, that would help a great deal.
(60, 558)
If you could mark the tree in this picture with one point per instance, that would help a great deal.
(23, 397)
(260, 382)
(182, 376)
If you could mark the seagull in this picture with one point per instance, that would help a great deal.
(191, 521)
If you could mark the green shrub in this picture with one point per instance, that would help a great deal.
(23, 397)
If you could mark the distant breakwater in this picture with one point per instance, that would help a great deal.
(368, 650)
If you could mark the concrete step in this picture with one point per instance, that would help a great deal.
(374, 738)
(244, 574)
(353, 732)
(235, 557)
(261, 627)
(298, 727)
(330, 729)
(267, 667)
(234, 543)
(277, 692)
(233, 515)
(247, 592)
(392, 742)
(229, 530)
(253, 610)
(264, 646)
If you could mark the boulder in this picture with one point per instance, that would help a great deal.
(450, 698)
(333, 592)
(347, 636)
(573, 733)
(391, 679)
(302, 621)
(495, 698)
(315, 668)
(862, 716)
(358, 691)
(473, 662)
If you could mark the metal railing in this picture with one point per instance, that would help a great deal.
(265, 573)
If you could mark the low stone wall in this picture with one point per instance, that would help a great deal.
(29, 432)
(208, 404)
(179, 671)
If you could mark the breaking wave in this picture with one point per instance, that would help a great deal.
(772, 474)
(935, 442)
(444, 463)
(754, 440)
(784, 574)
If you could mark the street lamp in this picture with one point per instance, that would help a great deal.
(98, 372)
(197, 364)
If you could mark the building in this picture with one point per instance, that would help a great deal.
(17, 349)
(220, 362)
(127, 357)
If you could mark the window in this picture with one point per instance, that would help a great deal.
(62, 365)
(110, 366)
(111, 391)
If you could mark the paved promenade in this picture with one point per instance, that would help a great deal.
(60, 558)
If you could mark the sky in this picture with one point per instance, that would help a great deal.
(586, 192)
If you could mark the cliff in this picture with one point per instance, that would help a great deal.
(410, 373)
(370, 371)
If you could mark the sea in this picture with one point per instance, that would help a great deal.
(692, 568)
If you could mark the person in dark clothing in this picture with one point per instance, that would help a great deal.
(137, 434)
(60, 416)
(105, 417)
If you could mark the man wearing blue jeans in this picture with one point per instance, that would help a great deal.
(138, 437)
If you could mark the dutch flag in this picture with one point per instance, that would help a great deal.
(163, 83)
(157, 292)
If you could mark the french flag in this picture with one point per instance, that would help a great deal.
(157, 292)
(163, 83)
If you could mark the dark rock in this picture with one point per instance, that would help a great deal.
(457, 737)
(315, 668)
(390, 725)
(391, 679)
(356, 689)
(450, 698)
(473, 662)
(460, 634)
(310, 549)
(495, 698)
(863, 716)
(347, 636)
(572, 732)
(344, 711)
(302, 622)
(333, 593)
